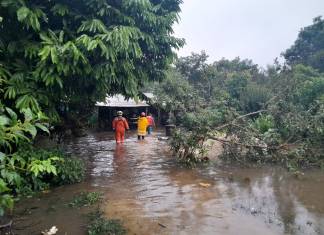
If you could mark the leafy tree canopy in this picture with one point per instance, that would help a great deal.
(308, 49)
(275, 115)
(65, 55)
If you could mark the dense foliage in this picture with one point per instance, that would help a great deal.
(70, 54)
(274, 115)
(309, 46)
(31, 170)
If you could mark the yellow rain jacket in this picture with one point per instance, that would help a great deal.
(142, 124)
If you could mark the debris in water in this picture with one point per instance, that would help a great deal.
(163, 138)
(299, 175)
(162, 225)
(52, 231)
(9, 224)
(206, 185)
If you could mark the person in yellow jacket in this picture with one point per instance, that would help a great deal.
(142, 124)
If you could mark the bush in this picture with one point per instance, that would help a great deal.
(264, 123)
(31, 169)
(5, 199)
(69, 171)
(188, 147)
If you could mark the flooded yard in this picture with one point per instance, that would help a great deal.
(151, 193)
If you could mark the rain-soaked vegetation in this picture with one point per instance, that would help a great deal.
(85, 199)
(57, 58)
(67, 56)
(273, 115)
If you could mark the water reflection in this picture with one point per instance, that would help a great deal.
(147, 188)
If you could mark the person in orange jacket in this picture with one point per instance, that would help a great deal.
(120, 124)
(142, 124)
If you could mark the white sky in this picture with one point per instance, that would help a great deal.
(255, 29)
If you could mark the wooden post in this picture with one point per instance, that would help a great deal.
(99, 117)
(159, 117)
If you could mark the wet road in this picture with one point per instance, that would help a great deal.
(146, 188)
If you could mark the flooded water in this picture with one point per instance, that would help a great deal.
(153, 194)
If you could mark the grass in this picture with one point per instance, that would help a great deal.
(99, 225)
(85, 199)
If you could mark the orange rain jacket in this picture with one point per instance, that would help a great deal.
(120, 124)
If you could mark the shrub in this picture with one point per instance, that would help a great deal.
(30, 170)
(69, 171)
(264, 123)
(188, 147)
(59, 168)
(5, 199)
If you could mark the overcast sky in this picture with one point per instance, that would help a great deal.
(255, 29)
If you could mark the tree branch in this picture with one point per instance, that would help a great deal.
(240, 117)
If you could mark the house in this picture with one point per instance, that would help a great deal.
(131, 108)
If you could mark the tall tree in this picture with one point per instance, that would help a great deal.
(66, 54)
(308, 49)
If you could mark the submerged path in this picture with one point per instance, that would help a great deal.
(147, 189)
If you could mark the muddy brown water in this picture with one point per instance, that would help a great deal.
(151, 193)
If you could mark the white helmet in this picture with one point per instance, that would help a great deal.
(119, 113)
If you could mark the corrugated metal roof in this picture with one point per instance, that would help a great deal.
(148, 95)
(120, 101)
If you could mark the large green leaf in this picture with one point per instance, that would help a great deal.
(4, 120)
(31, 129)
(22, 13)
(12, 114)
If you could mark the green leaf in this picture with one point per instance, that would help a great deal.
(54, 55)
(44, 53)
(12, 114)
(22, 13)
(3, 186)
(35, 169)
(4, 120)
(27, 101)
(60, 9)
(28, 114)
(42, 127)
(2, 156)
(31, 129)
(6, 201)
(34, 22)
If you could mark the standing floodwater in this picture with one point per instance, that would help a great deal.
(147, 189)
